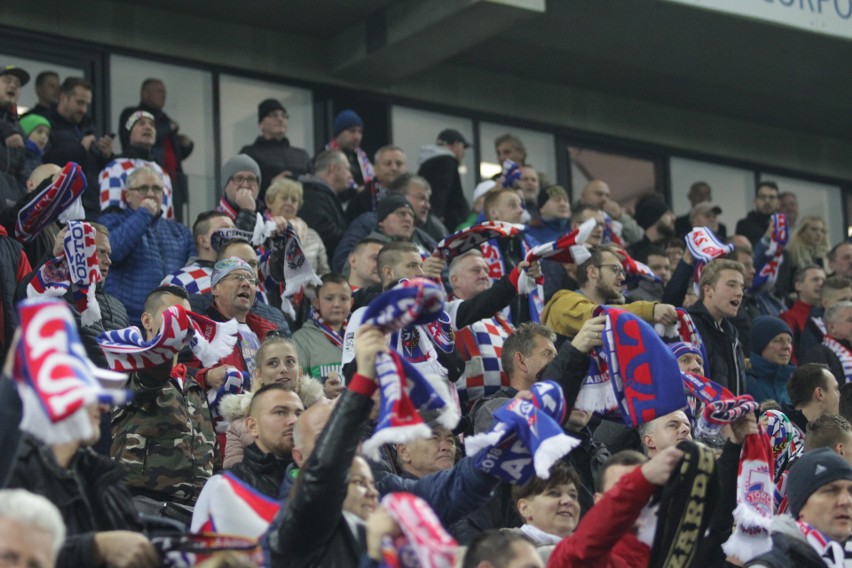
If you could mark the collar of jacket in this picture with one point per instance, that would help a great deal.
(773, 372)
(261, 141)
(264, 462)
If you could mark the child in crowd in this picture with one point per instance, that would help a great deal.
(37, 130)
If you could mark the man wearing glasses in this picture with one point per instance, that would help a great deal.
(241, 176)
(766, 202)
(145, 245)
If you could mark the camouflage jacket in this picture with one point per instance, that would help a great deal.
(164, 438)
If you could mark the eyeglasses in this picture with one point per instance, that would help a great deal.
(146, 188)
(242, 278)
(249, 180)
(617, 269)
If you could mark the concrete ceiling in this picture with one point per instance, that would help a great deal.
(648, 50)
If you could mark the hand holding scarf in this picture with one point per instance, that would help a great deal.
(52, 199)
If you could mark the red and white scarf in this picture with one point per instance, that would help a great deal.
(842, 354)
(77, 271)
(423, 542)
(127, 350)
(705, 246)
(334, 337)
(833, 553)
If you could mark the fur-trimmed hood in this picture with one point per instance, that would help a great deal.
(234, 406)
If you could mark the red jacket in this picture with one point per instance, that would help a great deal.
(604, 538)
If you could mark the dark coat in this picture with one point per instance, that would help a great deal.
(274, 157)
(448, 200)
(824, 355)
(323, 212)
(753, 226)
(726, 363)
(262, 471)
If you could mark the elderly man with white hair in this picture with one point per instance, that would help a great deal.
(31, 529)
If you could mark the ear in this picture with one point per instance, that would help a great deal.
(838, 448)
(251, 424)
(819, 394)
(147, 322)
(402, 453)
(523, 507)
(315, 303)
(648, 442)
(519, 362)
(297, 456)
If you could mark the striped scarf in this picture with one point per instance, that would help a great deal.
(228, 209)
(833, 553)
(842, 353)
(423, 541)
(52, 199)
(473, 237)
(705, 246)
(334, 337)
(768, 264)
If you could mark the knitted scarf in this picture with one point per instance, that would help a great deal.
(768, 264)
(724, 410)
(113, 183)
(704, 246)
(194, 278)
(843, 354)
(643, 372)
(235, 382)
(334, 337)
(423, 542)
(635, 270)
(493, 256)
(52, 199)
(404, 392)
(298, 271)
(527, 437)
(684, 331)
(471, 238)
(569, 248)
(686, 506)
(55, 378)
(367, 171)
(77, 270)
(833, 553)
(127, 350)
(510, 175)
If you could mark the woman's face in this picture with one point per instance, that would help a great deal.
(813, 233)
(285, 205)
(279, 364)
(556, 511)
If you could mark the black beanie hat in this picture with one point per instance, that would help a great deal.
(810, 472)
(390, 203)
(267, 107)
(764, 329)
(649, 210)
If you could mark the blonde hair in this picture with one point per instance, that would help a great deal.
(284, 187)
(801, 253)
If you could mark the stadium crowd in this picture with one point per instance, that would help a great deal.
(345, 363)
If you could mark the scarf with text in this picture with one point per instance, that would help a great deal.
(55, 378)
(527, 437)
(834, 554)
(755, 501)
(404, 392)
(471, 238)
(367, 171)
(843, 355)
(423, 542)
(644, 373)
(127, 350)
(76, 271)
(704, 246)
(769, 263)
(52, 198)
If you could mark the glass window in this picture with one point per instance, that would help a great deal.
(189, 103)
(733, 188)
(413, 129)
(27, 99)
(628, 177)
(818, 199)
(540, 148)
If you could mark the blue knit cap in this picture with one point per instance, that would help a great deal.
(764, 329)
(345, 120)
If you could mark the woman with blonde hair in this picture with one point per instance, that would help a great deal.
(284, 198)
(808, 246)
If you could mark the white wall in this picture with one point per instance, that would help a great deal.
(189, 102)
(413, 128)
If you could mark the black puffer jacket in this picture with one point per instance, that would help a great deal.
(90, 495)
(323, 212)
(274, 157)
(753, 226)
(727, 362)
(262, 471)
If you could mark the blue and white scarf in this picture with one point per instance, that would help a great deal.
(527, 437)
(768, 264)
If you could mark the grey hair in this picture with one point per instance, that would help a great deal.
(131, 177)
(833, 312)
(455, 265)
(34, 511)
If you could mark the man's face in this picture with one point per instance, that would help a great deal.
(528, 184)
(661, 266)
(48, 91)
(340, 176)
(779, 349)
(841, 326)
(507, 151)
(789, 206)
(666, 224)
(674, 253)
(145, 186)
(242, 179)
(399, 224)
(700, 193)
(811, 285)
(577, 420)
(424, 456)
(766, 200)
(279, 364)
(543, 352)
(154, 321)
(361, 495)
(831, 394)
(748, 264)
(389, 166)
(667, 432)
(829, 510)
(23, 546)
(154, 95)
(363, 263)
(103, 250)
(274, 125)
(691, 363)
(458, 150)
(706, 219)
(143, 133)
(350, 138)
(73, 107)
(842, 263)
(830, 296)
(471, 278)
(595, 194)
(334, 302)
(10, 89)
(272, 420)
(507, 208)
(724, 298)
(556, 208)
(234, 294)
(419, 197)
(409, 266)
(610, 279)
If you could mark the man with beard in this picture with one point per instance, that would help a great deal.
(601, 280)
(657, 219)
(754, 225)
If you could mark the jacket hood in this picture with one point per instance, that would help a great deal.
(235, 406)
(785, 525)
(428, 151)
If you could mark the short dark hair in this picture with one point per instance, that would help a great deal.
(802, 271)
(71, 83)
(832, 254)
(154, 298)
(220, 254)
(578, 209)
(594, 260)
(770, 184)
(561, 473)
(835, 282)
(367, 241)
(400, 184)
(624, 457)
(42, 77)
(494, 547)
(202, 222)
(332, 278)
(827, 431)
(147, 82)
(265, 389)
(804, 380)
(675, 242)
(522, 341)
(391, 252)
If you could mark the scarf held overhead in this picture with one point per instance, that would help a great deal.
(50, 202)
